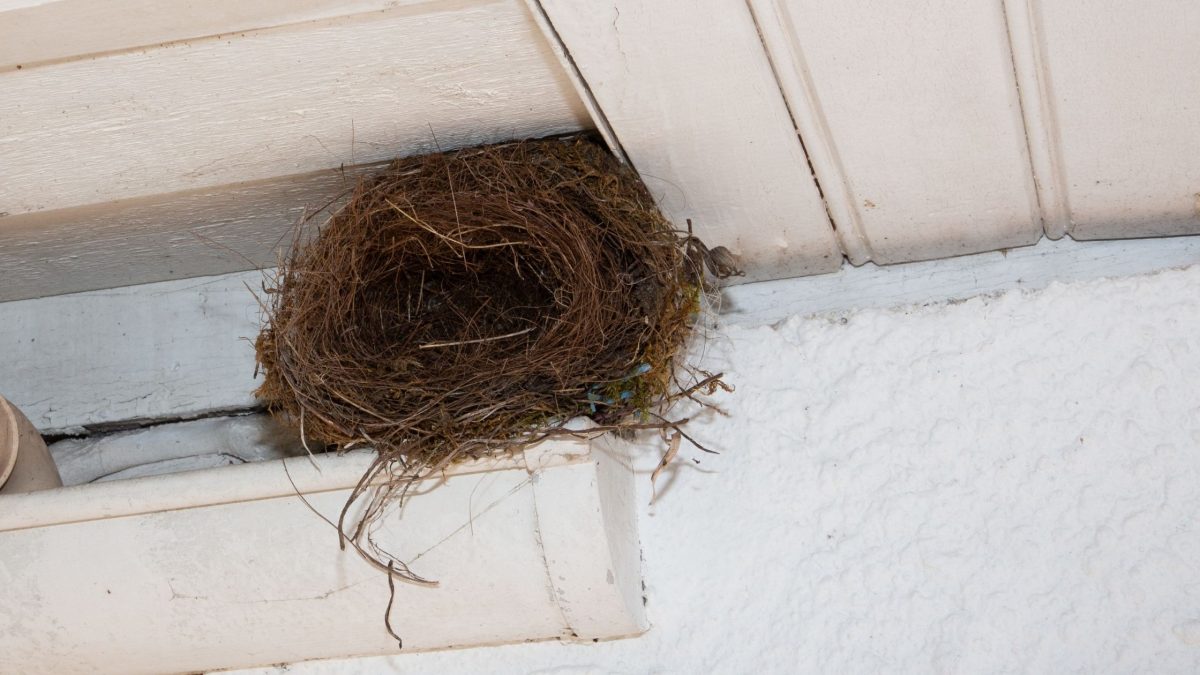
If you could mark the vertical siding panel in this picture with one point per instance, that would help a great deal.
(913, 121)
(688, 90)
(1125, 88)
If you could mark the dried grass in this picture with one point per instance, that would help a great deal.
(470, 303)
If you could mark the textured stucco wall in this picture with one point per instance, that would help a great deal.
(1004, 484)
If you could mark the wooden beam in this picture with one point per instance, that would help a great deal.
(89, 28)
(230, 567)
(278, 102)
(229, 228)
(689, 92)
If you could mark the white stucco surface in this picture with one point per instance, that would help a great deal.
(1004, 484)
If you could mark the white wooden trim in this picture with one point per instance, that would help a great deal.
(10, 5)
(1027, 268)
(1125, 92)
(913, 123)
(260, 105)
(1037, 108)
(195, 233)
(174, 447)
(690, 95)
(581, 88)
(787, 58)
(247, 482)
(177, 348)
(597, 508)
(229, 568)
(90, 27)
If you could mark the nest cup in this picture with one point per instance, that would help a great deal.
(469, 303)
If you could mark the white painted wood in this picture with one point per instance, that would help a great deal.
(177, 348)
(795, 80)
(614, 464)
(589, 514)
(179, 235)
(690, 95)
(228, 568)
(196, 119)
(88, 27)
(264, 104)
(170, 448)
(581, 88)
(1037, 108)
(181, 348)
(1125, 95)
(1028, 268)
(913, 123)
(7, 5)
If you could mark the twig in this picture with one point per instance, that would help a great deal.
(432, 345)
(672, 450)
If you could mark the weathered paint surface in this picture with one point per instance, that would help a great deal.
(277, 102)
(229, 567)
(197, 157)
(1122, 91)
(912, 119)
(689, 92)
(86, 27)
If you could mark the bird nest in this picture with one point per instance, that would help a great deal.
(470, 303)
